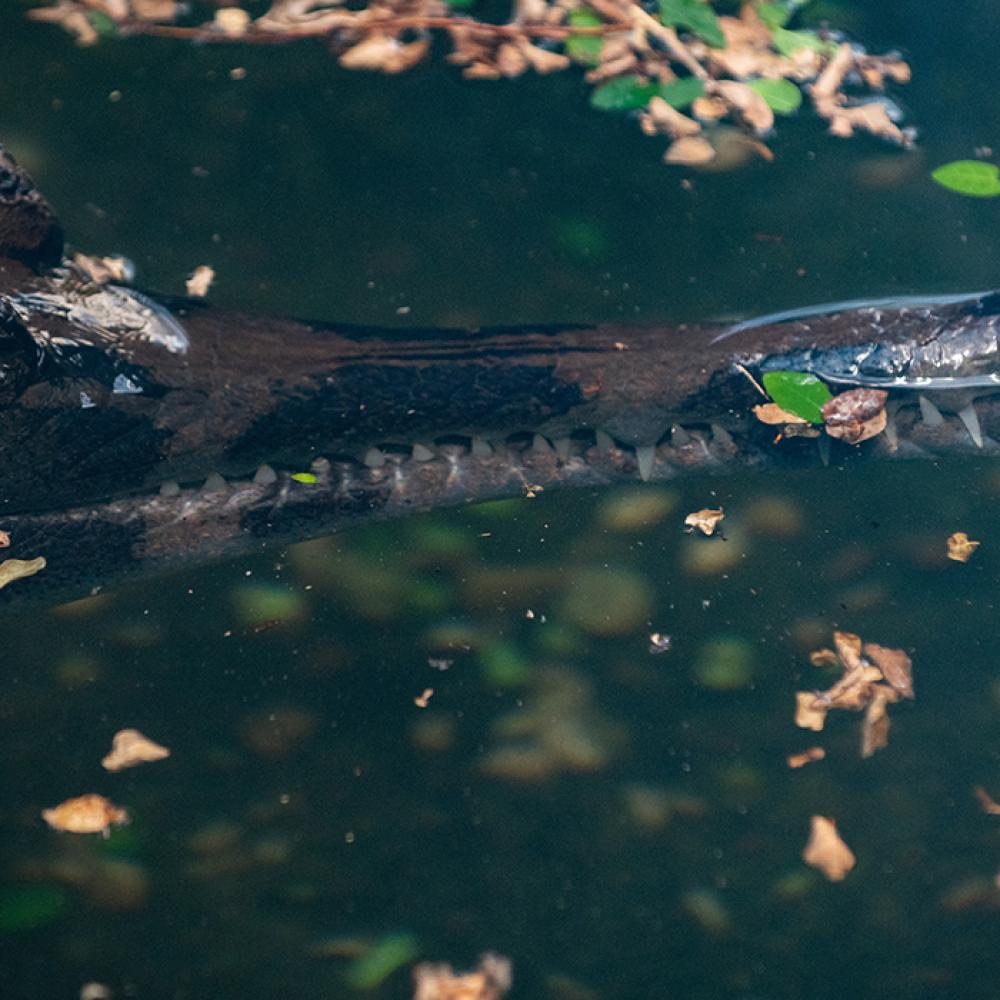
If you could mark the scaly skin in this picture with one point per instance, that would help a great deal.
(105, 396)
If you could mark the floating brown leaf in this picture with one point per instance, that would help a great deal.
(961, 547)
(17, 569)
(810, 712)
(129, 747)
(490, 981)
(826, 851)
(689, 151)
(896, 667)
(771, 413)
(199, 281)
(804, 757)
(875, 728)
(985, 800)
(705, 520)
(85, 814)
(856, 415)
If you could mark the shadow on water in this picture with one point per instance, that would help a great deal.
(620, 823)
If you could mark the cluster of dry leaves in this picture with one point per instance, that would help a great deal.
(490, 980)
(392, 36)
(853, 416)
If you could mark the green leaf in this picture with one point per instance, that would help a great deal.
(625, 93)
(696, 16)
(799, 393)
(774, 15)
(304, 477)
(787, 42)
(461, 4)
(782, 96)
(680, 93)
(585, 49)
(101, 23)
(969, 177)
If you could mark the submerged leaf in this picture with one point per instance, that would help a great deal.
(973, 178)
(787, 42)
(681, 93)
(799, 393)
(626, 93)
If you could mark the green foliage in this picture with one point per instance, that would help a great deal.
(584, 49)
(696, 16)
(624, 93)
(305, 477)
(101, 23)
(788, 42)
(23, 908)
(969, 177)
(774, 15)
(680, 93)
(782, 96)
(799, 393)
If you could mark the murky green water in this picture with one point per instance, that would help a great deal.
(619, 823)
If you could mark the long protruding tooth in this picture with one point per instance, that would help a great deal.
(604, 441)
(265, 476)
(645, 456)
(214, 483)
(678, 436)
(563, 446)
(481, 448)
(169, 488)
(970, 418)
(540, 443)
(374, 458)
(421, 453)
(930, 413)
(891, 431)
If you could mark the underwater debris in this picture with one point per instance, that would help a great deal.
(826, 851)
(961, 547)
(129, 747)
(873, 677)
(986, 801)
(856, 415)
(86, 814)
(200, 279)
(17, 569)
(423, 699)
(803, 757)
(705, 520)
(659, 642)
(490, 980)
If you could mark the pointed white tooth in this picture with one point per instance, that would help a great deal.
(930, 413)
(481, 448)
(823, 442)
(169, 488)
(720, 434)
(970, 418)
(421, 453)
(604, 441)
(679, 436)
(214, 483)
(374, 458)
(563, 446)
(540, 443)
(645, 456)
(265, 476)
(891, 432)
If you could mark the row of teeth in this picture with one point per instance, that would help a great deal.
(564, 448)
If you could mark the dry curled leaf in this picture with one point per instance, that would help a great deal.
(771, 413)
(895, 665)
(17, 569)
(85, 814)
(961, 547)
(986, 801)
(199, 281)
(423, 699)
(826, 851)
(705, 520)
(129, 747)
(489, 981)
(875, 728)
(810, 712)
(856, 415)
(689, 151)
(660, 118)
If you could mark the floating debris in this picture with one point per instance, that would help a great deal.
(439, 663)
(17, 569)
(856, 415)
(423, 699)
(659, 642)
(705, 520)
(129, 747)
(986, 801)
(961, 547)
(200, 280)
(803, 757)
(86, 814)
(826, 851)
(489, 981)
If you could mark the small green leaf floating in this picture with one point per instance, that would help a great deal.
(696, 16)
(584, 49)
(626, 93)
(799, 393)
(969, 177)
(680, 93)
(304, 477)
(782, 96)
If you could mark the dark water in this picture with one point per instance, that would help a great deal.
(620, 824)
